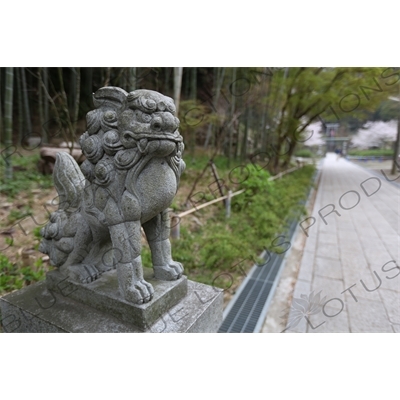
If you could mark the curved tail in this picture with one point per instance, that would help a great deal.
(69, 182)
(58, 234)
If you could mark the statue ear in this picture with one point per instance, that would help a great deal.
(110, 97)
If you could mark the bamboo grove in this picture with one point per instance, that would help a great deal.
(242, 113)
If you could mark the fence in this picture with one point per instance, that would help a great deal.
(176, 218)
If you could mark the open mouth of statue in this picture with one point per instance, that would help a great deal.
(162, 146)
(160, 143)
(176, 137)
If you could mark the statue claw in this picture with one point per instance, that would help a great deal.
(141, 292)
(83, 273)
(170, 272)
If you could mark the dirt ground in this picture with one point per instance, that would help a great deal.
(17, 239)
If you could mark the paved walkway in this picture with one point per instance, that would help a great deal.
(348, 258)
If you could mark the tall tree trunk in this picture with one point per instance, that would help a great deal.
(107, 76)
(21, 117)
(8, 114)
(193, 84)
(1, 109)
(132, 79)
(397, 142)
(243, 150)
(40, 107)
(262, 128)
(167, 77)
(77, 98)
(72, 88)
(232, 113)
(88, 89)
(50, 100)
(177, 86)
(219, 74)
(70, 136)
(187, 82)
(45, 101)
(28, 123)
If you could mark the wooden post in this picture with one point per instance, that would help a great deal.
(216, 177)
(175, 227)
(228, 204)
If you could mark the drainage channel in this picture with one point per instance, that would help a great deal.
(247, 310)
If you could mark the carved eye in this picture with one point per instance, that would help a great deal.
(150, 104)
(110, 116)
(161, 106)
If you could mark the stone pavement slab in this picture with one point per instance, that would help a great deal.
(351, 255)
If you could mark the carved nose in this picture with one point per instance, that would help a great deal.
(164, 122)
(171, 123)
(157, 124)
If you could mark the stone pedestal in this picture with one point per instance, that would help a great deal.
(59, 305)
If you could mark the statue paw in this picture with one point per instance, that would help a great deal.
(169, 272)
(141, 292)
(83, 273)
(178, 267)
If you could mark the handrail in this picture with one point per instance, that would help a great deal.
(194, 209)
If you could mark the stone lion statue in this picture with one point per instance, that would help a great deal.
(131, 174)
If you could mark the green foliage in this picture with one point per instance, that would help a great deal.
(199, 162)
(31, 276)
(258, 217)
(304, 153)
(26, 175)
(38, 236)
(13, 276)
(254, 178)
(387, 111)
(17, 214)
(10, 277)
(36, 232)
(329, 93)
(371, 153)
(9, 240)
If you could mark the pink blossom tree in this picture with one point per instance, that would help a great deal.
(375, 134)
(314, 135)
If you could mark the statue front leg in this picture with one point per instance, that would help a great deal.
(157, 232)
(124, 227)
(126, 246)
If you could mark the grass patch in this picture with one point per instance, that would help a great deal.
(371, 153)
(15, 275)
(26, 175)
(307, 153)
(220, 250)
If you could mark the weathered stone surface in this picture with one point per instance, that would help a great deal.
(36, 309)
(133, 164)
(104, 295)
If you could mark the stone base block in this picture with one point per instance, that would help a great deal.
(37, 308)
(104, 295)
